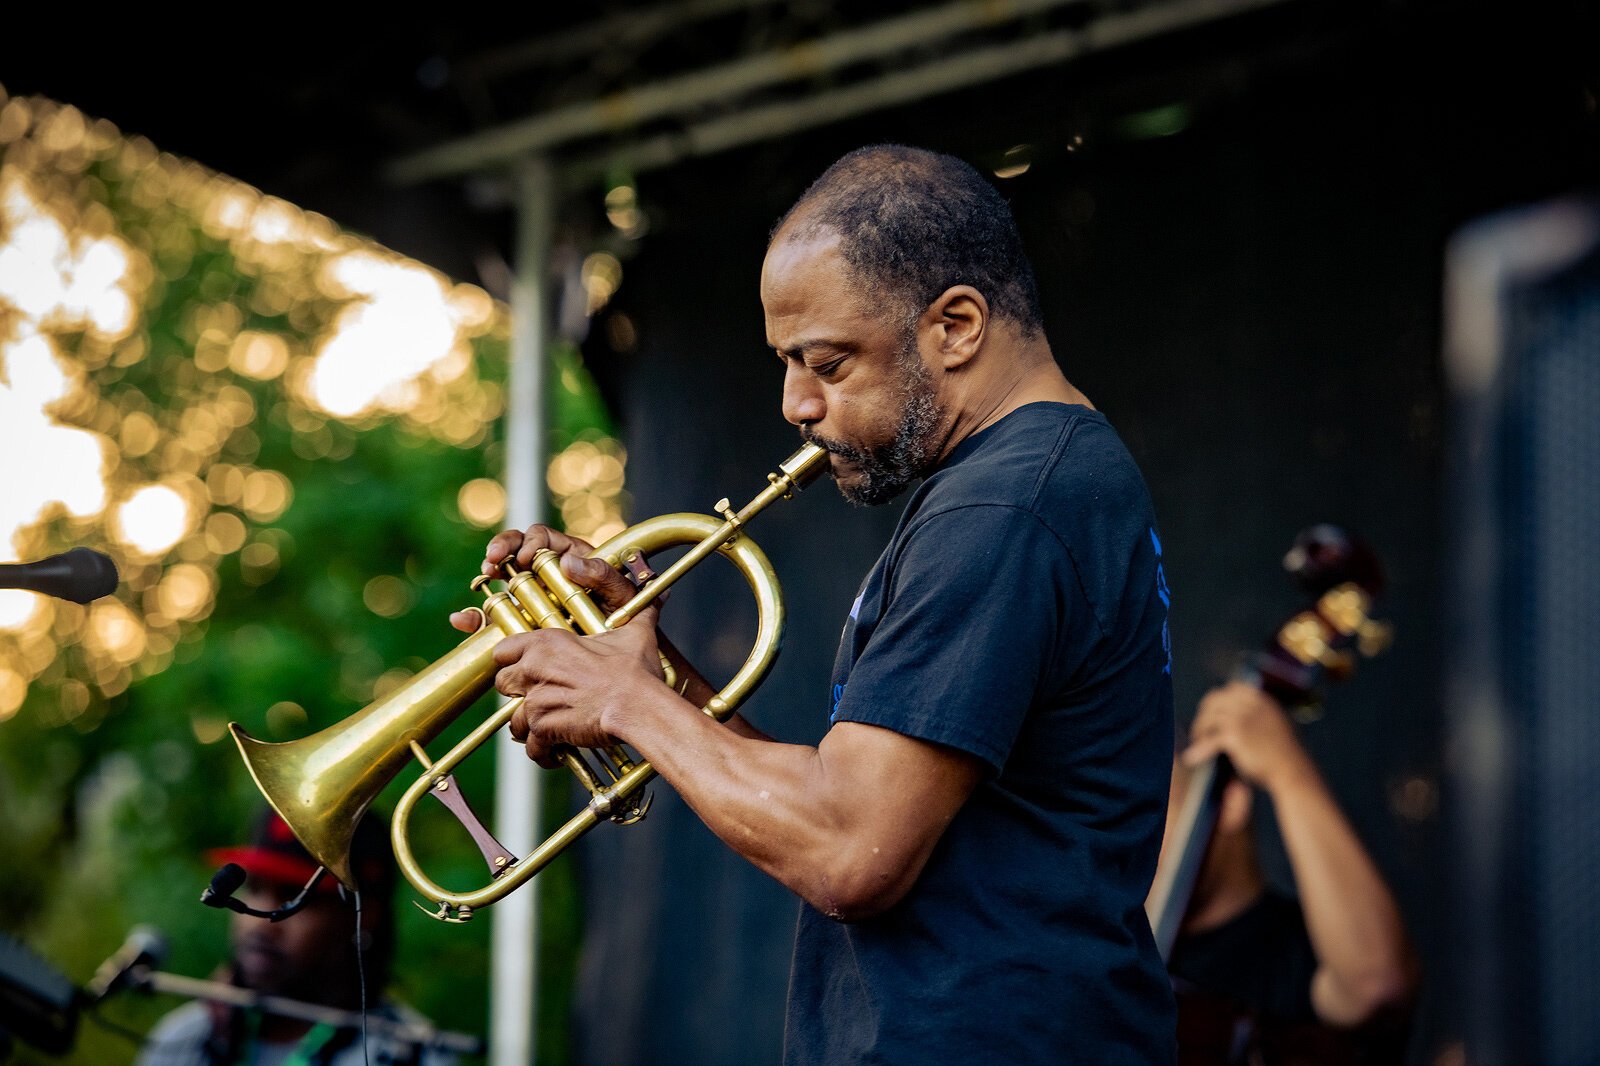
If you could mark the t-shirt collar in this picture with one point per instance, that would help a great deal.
(1024, 413)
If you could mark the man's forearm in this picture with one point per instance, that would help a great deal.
(1364, 958)
(820, 822)
(758, 796)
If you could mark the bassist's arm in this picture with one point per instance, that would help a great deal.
(1364, 959)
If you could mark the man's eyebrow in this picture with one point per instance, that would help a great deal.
(804, 348)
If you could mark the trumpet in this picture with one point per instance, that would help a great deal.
(322, 784)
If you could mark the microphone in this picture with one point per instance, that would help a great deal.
(145, 946)
(226, 881)
(79, 575)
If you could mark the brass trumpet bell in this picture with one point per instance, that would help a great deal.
(322, 784)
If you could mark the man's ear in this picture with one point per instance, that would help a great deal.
(960, 320)
(1237, 800)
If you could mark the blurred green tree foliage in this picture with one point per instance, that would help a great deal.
(116, 777)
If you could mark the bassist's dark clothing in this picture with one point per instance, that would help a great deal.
(1244, 997)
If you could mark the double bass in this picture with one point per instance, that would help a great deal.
(1319, 643)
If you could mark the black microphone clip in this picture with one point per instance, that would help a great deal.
(227, 881)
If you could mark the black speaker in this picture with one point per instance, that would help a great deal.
(1522, 615)
(38, 1004)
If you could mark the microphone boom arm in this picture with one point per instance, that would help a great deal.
(155, 981)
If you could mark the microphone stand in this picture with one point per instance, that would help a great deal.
(155, 981)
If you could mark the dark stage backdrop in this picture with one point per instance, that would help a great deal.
(1251, 296)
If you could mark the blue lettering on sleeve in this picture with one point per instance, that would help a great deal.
(833, 712)
(1166, 600)
(1161, 574)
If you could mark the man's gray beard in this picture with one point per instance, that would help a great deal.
(886, 471)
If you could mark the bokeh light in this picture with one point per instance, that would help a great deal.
(262, 356)
(19, 609)
(286, 719)
(482, 502)
(145, 438)
(602, 276)
(387, 596)
(400, 325)
(13, 689)
(95, 229)
(153, 519)
(586, 481)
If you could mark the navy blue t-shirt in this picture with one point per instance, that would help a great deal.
(1019, 614)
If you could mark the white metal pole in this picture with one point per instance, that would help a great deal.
(513, 1015)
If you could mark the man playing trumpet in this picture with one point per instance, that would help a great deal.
(975, 835)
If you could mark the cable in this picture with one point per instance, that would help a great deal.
(361, 981)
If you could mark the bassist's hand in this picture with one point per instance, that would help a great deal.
(1245, 724)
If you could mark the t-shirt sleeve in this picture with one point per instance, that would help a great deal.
(984, 611)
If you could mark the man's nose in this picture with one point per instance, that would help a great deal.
(803, 404)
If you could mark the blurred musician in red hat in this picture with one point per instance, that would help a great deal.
(312, 958)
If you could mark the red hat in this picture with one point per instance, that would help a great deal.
(274, 855)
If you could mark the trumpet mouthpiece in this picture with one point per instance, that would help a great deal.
(805, 465)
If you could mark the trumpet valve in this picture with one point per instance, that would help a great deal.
(619, 759)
